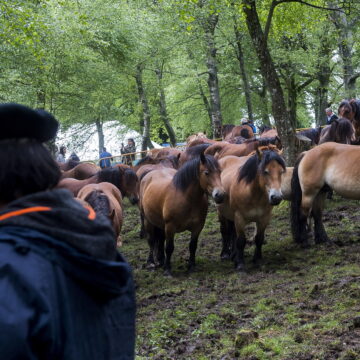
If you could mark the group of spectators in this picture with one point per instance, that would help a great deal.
(130, 149)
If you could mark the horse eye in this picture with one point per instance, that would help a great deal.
(267, 172)
(206, 172)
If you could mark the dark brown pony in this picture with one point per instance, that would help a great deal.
(124, 179)
(200, 141)
(312, 134)
(81, 171)
(221, 149)
(340, 131)
(175, 201)
(329, 165)
(351, 111)
(253, 187)
(105, 199)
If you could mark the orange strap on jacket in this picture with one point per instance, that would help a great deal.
(24, 211)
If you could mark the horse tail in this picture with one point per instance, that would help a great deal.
(296, 197)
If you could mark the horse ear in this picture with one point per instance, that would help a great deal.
(178, 156)
(202, 158)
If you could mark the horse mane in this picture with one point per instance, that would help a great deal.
(255, 163)
(264, 141)
(99, 202)
(345, 109)
(130, 176)
(264, 128)
(196, 150)
(355, 104)
(111, 175)
(341, 131)
(145, 160)
(189, 172)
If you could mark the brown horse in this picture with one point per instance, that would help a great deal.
(244, 131)
(123, 178)
(351, 111)
(340, 131)
(267, 131)
(328, 165)
(253, 186)
(175, 201)
(201, 141)
(81, 171)
(221, 149)
(105, 199)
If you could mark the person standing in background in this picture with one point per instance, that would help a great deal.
(106, 162)
(330, 116)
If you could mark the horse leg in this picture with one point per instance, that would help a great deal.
(192, 249)
(169, 235)
(225, 229)
(239, 244)
(151, 241)
(160, 236)
(142, 227)
(317, 211)
(259, 238)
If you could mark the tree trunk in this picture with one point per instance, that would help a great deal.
(145, 118)
(201, 90)
(245, 81)
(292, 100)
(162, 107)
(213, 82)
(346, 43)
(323, 77)
(284, 127)
(100, 132)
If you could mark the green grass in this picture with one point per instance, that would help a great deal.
(300, 303)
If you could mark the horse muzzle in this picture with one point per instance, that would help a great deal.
(218, 195)
(275, 197)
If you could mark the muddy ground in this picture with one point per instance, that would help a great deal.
(301, 304)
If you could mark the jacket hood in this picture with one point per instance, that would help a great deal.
(57, 214)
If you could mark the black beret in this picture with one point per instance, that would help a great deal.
(19, 121)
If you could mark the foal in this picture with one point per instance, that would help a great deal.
(175, 201)
(253, 185)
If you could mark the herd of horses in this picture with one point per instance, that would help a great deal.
(245, 175)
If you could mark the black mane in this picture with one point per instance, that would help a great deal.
(189, 172)
(196, 150)
(99, 202)
(249, 170)
(111, 175)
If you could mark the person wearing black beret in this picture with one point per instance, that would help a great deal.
(65, 290)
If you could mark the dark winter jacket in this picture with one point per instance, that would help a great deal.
(65, 292)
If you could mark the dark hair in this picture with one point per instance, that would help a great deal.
(26, 167)
(250, 169)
